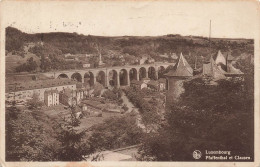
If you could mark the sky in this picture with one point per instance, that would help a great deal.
(230, 19)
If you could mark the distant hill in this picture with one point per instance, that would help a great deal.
(130, 47)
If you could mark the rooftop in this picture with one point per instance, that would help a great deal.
(212, 70)
(153, 83)
(38, 84)
(51, 91)
(181, 68)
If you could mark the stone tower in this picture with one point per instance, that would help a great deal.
(175, 77)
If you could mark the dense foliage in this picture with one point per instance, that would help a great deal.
(149, 112)
(114, 133)
(33, 136)
(29, 136)
(29, 66)
(207, 117)
(72, 146)
(113, 95)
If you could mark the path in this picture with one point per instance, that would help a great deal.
(130, 108)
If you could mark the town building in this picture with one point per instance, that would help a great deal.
(162, 84)
(23, 91)
(150, 60)
(157, 85)
(153, 85)
(146, 80)
(221, 67)
(138, 84)
(175, 78)
(71, 97)
(142, 60)
(68, 97)
(211, 70)
(86, 65)
(51, 97)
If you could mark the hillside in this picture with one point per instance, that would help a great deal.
(48, 49)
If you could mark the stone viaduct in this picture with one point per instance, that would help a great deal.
(113, 76)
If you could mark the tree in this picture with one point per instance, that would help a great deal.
(97, 89)
(215, 117)
(28, 138)
(35, 102)
(72, 147)
(114, 133)
(29, 66)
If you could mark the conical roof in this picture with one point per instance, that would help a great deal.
(181, 68)
(212, 70)
(220, 59)
(230, 57)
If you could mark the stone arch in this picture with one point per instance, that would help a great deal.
(152, 73)
(89, 79)
(63, 76)
(133, 75)
(101, 78)
(123, 78)
(161, 71)
(76, 76)
(112, 78)
(142, 73)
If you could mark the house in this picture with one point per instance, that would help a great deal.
(24, 91)
(150, 60)
(68, 97)
(173, 56)
(72, 97)
(211, 70)
(51, 97)
(142, 60)
(83, 107)
(86, 65)
(88, 55)
(146, 80)
(225, 65)
(138, 84)
(153, 85)
(162, 84)
(157, 85)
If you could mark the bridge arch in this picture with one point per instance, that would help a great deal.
(142, 73)
(123, 77)
(133, 74)
(152, 73)
(89, 79)
(76, 76)
(161, 71)
(113, 78)
(63, 76)
(101, 78)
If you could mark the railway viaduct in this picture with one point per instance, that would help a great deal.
(113, 76)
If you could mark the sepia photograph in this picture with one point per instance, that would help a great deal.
(148, 81)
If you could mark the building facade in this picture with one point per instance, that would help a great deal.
(51, 97)
(175, 78)
(71, 97)
(23, 91)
